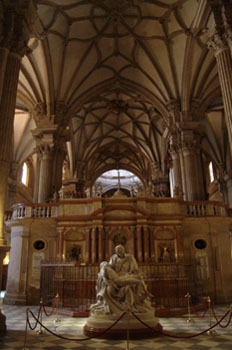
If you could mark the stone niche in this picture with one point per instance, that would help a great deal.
(165, 246)
(75, 246)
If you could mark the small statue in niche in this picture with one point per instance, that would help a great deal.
(165, 253)
(76, 252)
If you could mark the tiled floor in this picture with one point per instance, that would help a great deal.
(72, 327)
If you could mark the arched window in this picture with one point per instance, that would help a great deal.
(25, 174)
(112, 178)
(211, 172)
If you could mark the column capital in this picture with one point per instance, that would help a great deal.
(173, 107)
(16, 25)
(218, 42)
(42, 119)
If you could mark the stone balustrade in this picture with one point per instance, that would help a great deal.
(205, 209)
(187, 209)
(22, 211)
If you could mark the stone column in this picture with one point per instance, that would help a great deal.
(37, 175)
(194, 189)
(224, 63)
(44, 192)
(100, 245)
(190, 172)
(7, 109)
(93, 245)
(59, 244)
(18, 266)
(146, 247)
(3, 61)
(88, 247)
(227, 14)
(57, 166)
(139, 244)
(174, 151)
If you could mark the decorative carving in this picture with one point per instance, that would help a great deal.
(117, 106)
(16, 26)
(217, 42)
(39, 109)
(39, 113)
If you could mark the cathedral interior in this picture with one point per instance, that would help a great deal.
(115, 128)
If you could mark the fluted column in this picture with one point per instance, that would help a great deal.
(7, 108)
(191, 162)
(227, 14)
(37, 174)
(139, 244)
(176, 163)
(44, 192)
(100, 245)
(93, 245)
(224, 63)
(3, 61)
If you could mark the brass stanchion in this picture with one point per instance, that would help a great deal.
(57, 304)
(41, 318)
(189, 320)
(25, 335)
(210, 331)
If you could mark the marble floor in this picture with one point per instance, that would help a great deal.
(72, 328)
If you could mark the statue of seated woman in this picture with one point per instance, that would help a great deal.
(120, 287)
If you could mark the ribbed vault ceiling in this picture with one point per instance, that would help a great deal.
(112, 68)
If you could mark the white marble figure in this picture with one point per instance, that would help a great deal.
(120, 287)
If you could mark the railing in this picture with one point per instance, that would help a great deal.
(205, 209)
(76, 284)
(8, 215)
(194, 208)
(36, 211)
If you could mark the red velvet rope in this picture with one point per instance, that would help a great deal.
(173, 306)
(222, 326)
(182, 337)
(74, 339)
(75, 310)
(36, 323)
(48, 314)
(195, 311)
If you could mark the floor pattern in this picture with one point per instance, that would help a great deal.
(72, 327)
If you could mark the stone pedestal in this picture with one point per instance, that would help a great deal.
(128, 326)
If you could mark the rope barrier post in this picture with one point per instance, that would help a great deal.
(210, 331)
(189, 320)
(25, 335)
(41, 317)
(57, 304)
